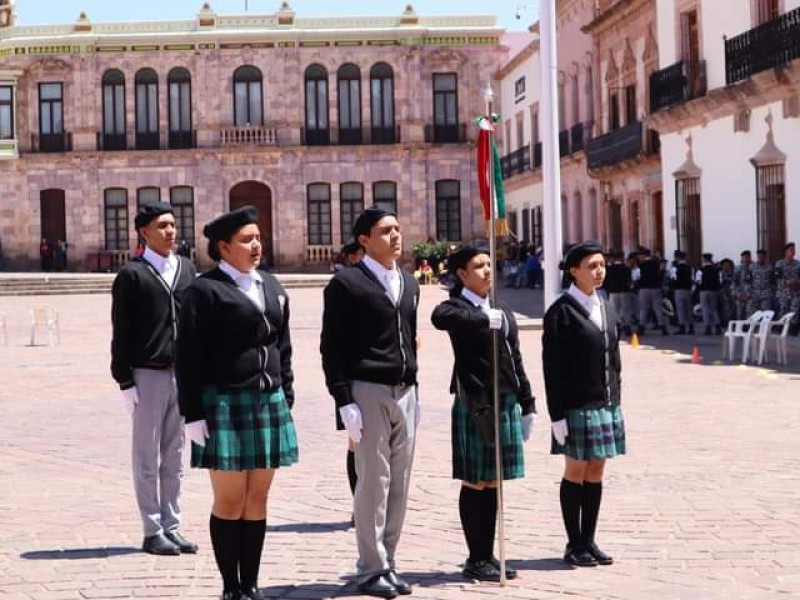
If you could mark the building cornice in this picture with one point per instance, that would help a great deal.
(523, 55)
(619, 11)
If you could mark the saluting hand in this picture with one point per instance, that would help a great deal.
(351, 417)
(130, 398)
(197, 432)
(560, 431)
(527, 426)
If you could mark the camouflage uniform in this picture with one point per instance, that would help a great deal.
(787, 273)
(760, 288)
(741, 291)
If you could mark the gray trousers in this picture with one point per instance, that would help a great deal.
(383, 463)
(622, 305)
(650, 299)
(157, 458)
(683, 308)
(709, 303)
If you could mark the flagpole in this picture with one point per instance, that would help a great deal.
(498, 461)
(551, 172)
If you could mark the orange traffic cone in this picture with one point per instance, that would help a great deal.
(696, 358)
(634, 340)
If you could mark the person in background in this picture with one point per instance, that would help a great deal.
(235, 383)
(617, 285)
(146, 301)
(581, 360)
(470, 322)
(650, 293)
(709, 283)
(682, 282)
(787, 274)
(742, 289)
(762, 291)
(726, 300)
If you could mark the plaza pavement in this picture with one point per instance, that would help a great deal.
(705, 505)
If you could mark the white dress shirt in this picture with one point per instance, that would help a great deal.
(389, 278)
(246, 282)
(482, 303)
(166, 266)
(592, 304)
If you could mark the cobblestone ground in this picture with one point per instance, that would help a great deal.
(705, 505)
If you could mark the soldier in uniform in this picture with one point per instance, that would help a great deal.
(618, 287)
(710, 284)
(761, 286)
(741, 291)
(681, 282)
(787, 275)
(650, 294)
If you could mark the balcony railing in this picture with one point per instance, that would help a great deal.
(315, 137)
(446, 134)
(384, 135)
(516, 162)
(563, 143)
(537, 156)
(320, 254)
(148, 140)
(677, 83)
(351, 136)
(182, 140)
(51, 142)
(248, 136)
(620, 145)
(773, 44)
(576, 134)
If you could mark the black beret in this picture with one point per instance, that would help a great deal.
(745, 253)
(149, 210)
(679, 254)
(460, 258)
(368, 218)
(708, 256)
(578, 252)
(225, 225)
(787, 246)
(761, 251)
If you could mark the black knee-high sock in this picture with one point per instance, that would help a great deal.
(490, 503)
(352, 477)
(571, 497)
(469, 508)
(253, 533)
(226, 539)
(590, 508)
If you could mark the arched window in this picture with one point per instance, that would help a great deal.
(381, 85)
(114, 110)
(317, 130)
(115, 208)
(180, 108)
(448, 210)
(351, 204)
(319, 214)
(248, 100)
(146, 82)
(349, 80)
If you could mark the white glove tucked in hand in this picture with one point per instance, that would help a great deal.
(560, 431)
(351, 417)
(130, 398)
(527, 426)
(495, 318)
(197, 432)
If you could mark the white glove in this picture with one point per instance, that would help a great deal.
(527, 426)
(495, 318)
(130, 398)
(197, 432)
(416, 415)
(351, 418)
(560, 431)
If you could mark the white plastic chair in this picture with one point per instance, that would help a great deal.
(4, 325)
(759, 340)
(782, 325)
(44, 315)
(741, 330)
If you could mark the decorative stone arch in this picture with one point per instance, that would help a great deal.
(650, 52)
(612, 73)
(628, 69)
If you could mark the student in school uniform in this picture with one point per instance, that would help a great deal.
(369, 355)
(581, 360)
(235, 389)
(470, 321)
(146, 300)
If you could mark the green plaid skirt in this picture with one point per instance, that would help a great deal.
(473, 459)
(594, 433)
(248, 430)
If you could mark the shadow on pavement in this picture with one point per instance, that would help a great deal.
(541, 564)
(80, 553)
(312, 591)
(311, 527)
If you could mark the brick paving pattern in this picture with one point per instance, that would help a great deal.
(705, 505)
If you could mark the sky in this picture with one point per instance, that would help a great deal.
(31, 12)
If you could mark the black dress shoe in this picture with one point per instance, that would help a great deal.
(251, 593)
(481, 570)
(579, 557)
(184, 545)
(378, 586)
(403, 587)
(160, 545)
(230, 596)
(600, 556)
(510, 573)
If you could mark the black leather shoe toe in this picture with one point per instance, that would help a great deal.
(378, 586)
(184, 545)
(510, 573)
(403, 587)
(158, 544)
(230, 596)
(481, 570)
(600, 556)
(251, 593)
(580, 557)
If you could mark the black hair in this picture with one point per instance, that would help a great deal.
(213, 250)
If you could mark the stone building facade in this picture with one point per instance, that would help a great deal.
(310, 119)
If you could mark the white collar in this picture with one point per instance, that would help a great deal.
(159, 262)
(587, 302)
(377, 268)
(475, 299)
(236, 274)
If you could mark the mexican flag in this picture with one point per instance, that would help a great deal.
(485, 128)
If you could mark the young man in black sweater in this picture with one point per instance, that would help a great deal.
(146, 300)
(369, 355)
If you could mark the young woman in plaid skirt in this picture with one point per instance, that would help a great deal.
(580, 355)
(470, 321)
(234, 374)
